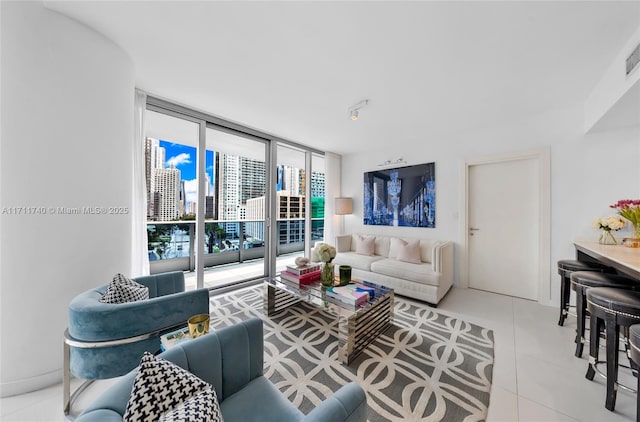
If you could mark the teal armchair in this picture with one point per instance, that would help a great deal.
(107, 340)
(231, 360)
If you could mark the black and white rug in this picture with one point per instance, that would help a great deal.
(427, 366)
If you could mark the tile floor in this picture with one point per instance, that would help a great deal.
(536, 377)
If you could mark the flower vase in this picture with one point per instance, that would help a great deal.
(636, 231)
(606, 238)
(327, 277)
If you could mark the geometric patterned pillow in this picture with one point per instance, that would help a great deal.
(123, 290)
(202, 407)
(160, 386)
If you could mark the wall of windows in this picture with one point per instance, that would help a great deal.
(213, 189)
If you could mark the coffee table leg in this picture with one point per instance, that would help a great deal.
(275, 300)
(358, 330)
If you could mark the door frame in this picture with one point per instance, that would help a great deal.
(542, 156)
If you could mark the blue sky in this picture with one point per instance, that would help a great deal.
(184, 158)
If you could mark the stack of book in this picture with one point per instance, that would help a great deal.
(167, 341)
(351, 296)
(300, 276)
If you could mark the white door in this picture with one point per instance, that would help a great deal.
(504, 227)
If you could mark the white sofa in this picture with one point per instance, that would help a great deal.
(428, 280)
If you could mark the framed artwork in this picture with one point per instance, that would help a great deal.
(404, 196)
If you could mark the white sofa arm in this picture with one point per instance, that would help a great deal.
(343, 243)
(442, 258)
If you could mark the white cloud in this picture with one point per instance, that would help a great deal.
(191, 190)
(182, 158)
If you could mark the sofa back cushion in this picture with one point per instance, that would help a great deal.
(364, 245)
(409, 251)
(426, 248)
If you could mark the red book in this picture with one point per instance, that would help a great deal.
(300, 279)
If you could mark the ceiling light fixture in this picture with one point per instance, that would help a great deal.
(389, 162)
(353, 110)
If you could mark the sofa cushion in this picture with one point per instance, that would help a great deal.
(159, 386)
(426, 248)
(421, 273)
(409, 252)
(203, 407)
(123, 290)
(365, 245)
(361, 262)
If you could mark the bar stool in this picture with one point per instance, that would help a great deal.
(581, 281)
(565, 268)
(610, 308)
(634, 351)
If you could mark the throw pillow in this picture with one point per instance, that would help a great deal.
(365, 245)
(202, 407)
(123, 290)
(394, 246)
(160, 386)
(409, 252)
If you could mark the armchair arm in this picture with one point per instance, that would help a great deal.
(91, 320)
(348, 404)
(343, 243)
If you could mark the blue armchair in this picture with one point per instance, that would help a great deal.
(107, 340)
(231, 359)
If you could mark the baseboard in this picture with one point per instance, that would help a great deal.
(28, 385)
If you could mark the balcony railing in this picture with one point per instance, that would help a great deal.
(170, 243)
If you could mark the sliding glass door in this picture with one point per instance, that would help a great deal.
(226, 204)
(235, 220)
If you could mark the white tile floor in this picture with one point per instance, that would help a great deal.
(536, 377)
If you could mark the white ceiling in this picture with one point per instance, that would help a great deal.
(429, 68)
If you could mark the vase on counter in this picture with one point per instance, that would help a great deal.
(327, 277)
(607, 238)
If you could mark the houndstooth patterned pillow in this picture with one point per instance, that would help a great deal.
(202, 407)
(123, 290)
(160, 386)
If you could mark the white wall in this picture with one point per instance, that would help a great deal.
(67, 125)
(588, 173)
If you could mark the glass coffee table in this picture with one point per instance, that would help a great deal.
(356, 327)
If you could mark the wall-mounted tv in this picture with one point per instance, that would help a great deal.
(404, 196)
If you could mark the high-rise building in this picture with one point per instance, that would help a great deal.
(239, 180)
(209, 206)
(317, 184)
(167, 185)
(154, 156)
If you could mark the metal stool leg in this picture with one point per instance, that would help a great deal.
(565, 292)
(613, 337)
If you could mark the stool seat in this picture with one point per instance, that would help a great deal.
(595, 279)
(565, 268)
(611, 309)
(581, 282)
(623, 302)
(575, 265)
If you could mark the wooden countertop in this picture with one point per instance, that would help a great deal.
(625, 260)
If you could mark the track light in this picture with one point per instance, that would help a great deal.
(353, 110)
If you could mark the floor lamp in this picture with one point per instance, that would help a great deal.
(343, 206)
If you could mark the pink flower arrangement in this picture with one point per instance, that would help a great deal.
(630, 209)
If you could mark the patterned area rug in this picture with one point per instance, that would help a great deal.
(426, 366)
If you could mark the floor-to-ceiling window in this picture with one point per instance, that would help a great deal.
(227, 204)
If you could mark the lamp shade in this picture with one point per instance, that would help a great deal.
(343, 206)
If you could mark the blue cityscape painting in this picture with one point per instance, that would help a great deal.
(404, 196)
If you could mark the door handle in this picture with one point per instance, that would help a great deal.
(471, 230)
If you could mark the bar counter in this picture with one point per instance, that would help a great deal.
(625, 260)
